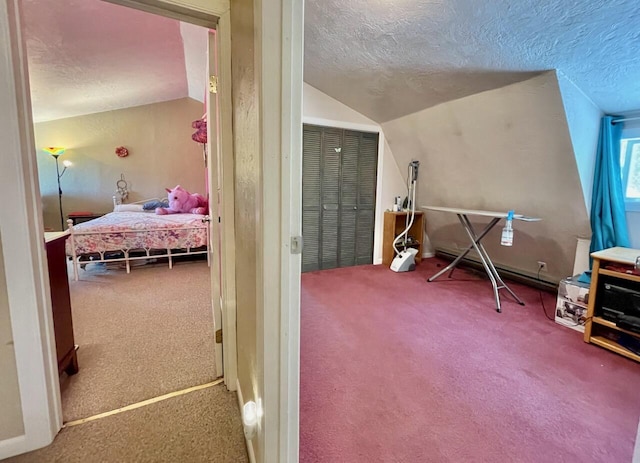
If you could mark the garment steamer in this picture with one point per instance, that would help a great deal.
(405, 260)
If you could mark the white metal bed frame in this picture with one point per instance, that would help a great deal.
(125, 251)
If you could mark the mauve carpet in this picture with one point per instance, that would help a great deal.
(395, 369)
(141, 335)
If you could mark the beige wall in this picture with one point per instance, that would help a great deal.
(503, 149)
(10, 409)
(246, 105)
(162, 154)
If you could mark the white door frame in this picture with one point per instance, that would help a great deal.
(21, 227)
(227, 201)
(212, 163)
(281, 34)
(22, 231)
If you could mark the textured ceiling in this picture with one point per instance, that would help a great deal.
(88, 56)
(389, 58)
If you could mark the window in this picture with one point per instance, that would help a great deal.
(630, 170)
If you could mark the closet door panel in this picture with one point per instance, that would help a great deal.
(364, 250)
(331, 155)
(329, 239)
(311, 197)
(349, 162)
(331, 147)
(311, 239)
(367, 183)
(348, 240)
(349, 198)
(311, 159)
(367, 169)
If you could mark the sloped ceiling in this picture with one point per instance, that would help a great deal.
(389, 58)
(195, 41)
(89, 56)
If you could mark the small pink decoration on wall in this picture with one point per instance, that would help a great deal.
(200, 135)
(122, 152)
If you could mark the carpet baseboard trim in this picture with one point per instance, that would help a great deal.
(144, 403)
(250, 451)
(507, 273)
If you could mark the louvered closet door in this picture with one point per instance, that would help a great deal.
(311, 197)
(331, 148)
(349, 199)
(338, 196)
(367, 182)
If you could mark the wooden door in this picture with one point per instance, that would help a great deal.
(215, 193)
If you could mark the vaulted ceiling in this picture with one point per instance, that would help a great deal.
(389, 58)
(88, 56)
(384, 58)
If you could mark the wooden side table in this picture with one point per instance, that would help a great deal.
(394, 224)
(61, 302)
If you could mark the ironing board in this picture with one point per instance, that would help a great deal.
(476, 243)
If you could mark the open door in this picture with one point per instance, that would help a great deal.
(214, 189)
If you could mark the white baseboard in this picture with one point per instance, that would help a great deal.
(250, 451)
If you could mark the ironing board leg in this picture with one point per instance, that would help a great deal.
(457, 260)
(497, 282)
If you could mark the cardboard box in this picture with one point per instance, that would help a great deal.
(574, 291)
(571, 307)
(570, 314)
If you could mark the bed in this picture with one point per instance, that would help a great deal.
(128, 235)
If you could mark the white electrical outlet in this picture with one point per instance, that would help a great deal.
(542, 266)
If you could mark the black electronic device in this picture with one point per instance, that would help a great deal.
(629, 323)
(611, 314)
(618, 300)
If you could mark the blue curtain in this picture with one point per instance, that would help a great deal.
(608, 219)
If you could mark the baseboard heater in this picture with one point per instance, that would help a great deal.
(506, 273)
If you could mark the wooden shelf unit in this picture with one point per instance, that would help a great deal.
(394, 224)
(596, 328)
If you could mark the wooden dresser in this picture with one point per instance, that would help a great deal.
(61, 302)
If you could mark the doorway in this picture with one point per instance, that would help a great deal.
(28, 292)
(151, 332)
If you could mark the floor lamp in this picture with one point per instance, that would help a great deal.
(56, 152)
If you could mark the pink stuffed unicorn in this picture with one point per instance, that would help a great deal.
(181, 202)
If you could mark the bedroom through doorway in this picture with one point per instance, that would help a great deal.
(120, 98)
